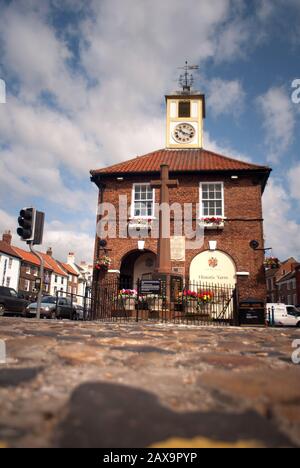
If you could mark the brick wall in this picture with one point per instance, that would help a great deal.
(243, 209)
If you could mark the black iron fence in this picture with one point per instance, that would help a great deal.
(74, 306)
(186, 302)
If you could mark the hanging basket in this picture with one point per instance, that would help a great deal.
(271, 263)
(103, 264)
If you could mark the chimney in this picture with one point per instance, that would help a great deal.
(71, 258)
(49, 252)
(7, 237)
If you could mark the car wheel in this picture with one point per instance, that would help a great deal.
(2, 309)
(298, 324)
(53, 315)
(74, 316)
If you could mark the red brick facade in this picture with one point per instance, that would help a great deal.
(244, 223)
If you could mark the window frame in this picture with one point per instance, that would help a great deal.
(147, 184)
(184, 102)
(201, 214)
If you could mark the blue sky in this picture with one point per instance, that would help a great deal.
(85, 88)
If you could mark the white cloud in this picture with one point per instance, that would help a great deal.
(224, 149)
(64, 241)
(279, 122)
(130, 51)
(62, 237)
(293, 179)
(281, 230)
(225, 97)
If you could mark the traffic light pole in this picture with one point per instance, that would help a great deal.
(39, 298)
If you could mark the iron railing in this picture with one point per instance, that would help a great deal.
(192, 302)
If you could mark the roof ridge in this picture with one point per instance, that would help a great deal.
(127, 161)
(230, 158)
(137, 163)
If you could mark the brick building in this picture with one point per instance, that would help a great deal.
(226, 198)
(283, 283)
(289, 288)
(29, 273)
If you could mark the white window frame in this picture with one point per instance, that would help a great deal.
(133, 201)
(201, 214)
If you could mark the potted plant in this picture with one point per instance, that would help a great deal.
(103, 263)
(205, 297)
(155, 302)
(128, 298)
(271, 263)
(189, 301)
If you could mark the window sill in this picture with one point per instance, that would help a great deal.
(212, 226)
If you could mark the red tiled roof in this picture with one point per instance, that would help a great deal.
(54, 265)
(30, 258)
(69, 269)
(7, 249)
(190, 160)
(50, 263)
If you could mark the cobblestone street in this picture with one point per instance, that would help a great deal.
(71, 384)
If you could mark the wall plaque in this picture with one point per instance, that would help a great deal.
(178, 248)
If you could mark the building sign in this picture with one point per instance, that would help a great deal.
(178, 248)
(150, 287)
(213, 267)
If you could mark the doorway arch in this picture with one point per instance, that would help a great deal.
(135, 266)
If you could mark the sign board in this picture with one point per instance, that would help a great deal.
(150, 287)
(252, 316)
(214, 268)
(178, 248)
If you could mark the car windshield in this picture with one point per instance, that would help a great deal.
(13, 293)
(48, 300)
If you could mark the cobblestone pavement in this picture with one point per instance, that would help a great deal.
(70, 384)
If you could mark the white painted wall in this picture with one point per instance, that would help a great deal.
(7, 271)
(56, 284)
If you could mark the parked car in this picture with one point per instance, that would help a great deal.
(79, 312)
(285, 315)
(52, 308)
(11, 302)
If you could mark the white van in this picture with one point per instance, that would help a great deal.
(284, 315)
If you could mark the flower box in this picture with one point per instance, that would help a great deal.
(190, 307)
(212, 223)
(127, 299)
(140, 225)
(155, 303)
(127, 303)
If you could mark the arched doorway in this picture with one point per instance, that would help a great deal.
(214, 267)
(135, 266)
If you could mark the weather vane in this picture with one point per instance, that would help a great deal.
(186, 79)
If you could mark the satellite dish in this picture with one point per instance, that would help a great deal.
(103, 243)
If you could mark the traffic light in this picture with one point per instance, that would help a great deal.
(31, 224)
(26, 222)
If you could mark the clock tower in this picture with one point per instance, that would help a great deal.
(185, 114)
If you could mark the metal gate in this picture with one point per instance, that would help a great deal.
(193, 303)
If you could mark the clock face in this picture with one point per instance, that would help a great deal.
(184, 133)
